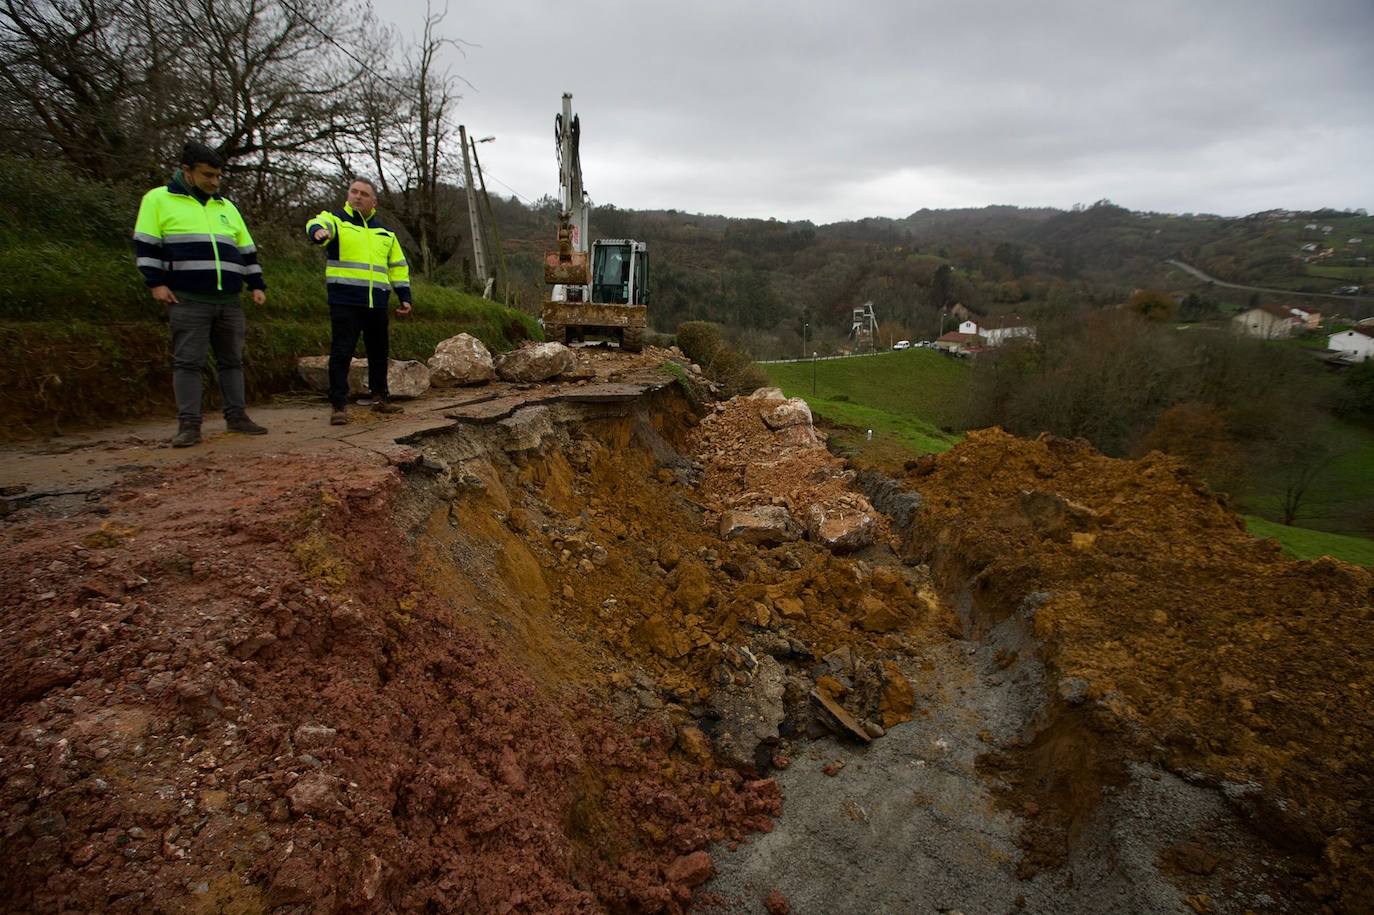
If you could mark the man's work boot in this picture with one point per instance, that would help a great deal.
(386, 406)
(188, 434)
(245, 425)
(338, 417)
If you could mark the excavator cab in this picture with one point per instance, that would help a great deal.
(620, 270)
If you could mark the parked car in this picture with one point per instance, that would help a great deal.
(902, 344)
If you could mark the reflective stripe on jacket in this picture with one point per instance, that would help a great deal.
(193, 246)
(365, 261)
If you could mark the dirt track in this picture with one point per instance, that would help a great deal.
(496, 666)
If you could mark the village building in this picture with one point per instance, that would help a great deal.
(959, 342)
(1354, 345)
(997, 330)
(1268, 322)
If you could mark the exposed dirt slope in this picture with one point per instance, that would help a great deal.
(193, 724)
(1173, 636)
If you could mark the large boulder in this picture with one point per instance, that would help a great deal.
(768, 394)
(314, 371)
(404, 379)
(792, 412)
(760, 524)
(841, 525)
(536, 362)
(461, 360)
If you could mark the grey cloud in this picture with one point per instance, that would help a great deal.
(802, 109)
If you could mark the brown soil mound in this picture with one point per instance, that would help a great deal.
(629, 555)
(1171, 635)
(192, 724)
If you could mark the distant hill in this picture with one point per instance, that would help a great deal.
(766, 278)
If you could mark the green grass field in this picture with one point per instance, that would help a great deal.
(1336, 272)
(912, 399)
(1342, 497)
(914, 383)
(1303, 543)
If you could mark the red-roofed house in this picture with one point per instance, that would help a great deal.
(997, 330)
(958, 342)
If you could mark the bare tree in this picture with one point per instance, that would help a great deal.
(283, 81)
(112, 86)
(407, 137)
(94, 82)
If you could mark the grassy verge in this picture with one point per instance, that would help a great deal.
(1304, 543)
(81, 373)
(89, 345)
(904, 398)
(1338, 272)
(889, 429)
(917, 383)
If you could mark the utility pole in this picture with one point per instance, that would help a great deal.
(479, 255)
(805, 329)
(491, 221)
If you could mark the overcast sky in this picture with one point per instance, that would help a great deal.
(832, 111)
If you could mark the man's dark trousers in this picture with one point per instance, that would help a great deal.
(348, 322)
(197, 327)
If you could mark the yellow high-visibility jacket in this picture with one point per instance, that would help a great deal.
(193, 243)
(365, 259)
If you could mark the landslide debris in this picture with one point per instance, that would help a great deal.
(1171, 636)
(619, 523)
(519, 671)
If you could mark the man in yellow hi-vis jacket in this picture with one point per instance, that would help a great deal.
(365, 264)
(196, 255)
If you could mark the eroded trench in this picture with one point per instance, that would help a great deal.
(597, 647)
(927, 759)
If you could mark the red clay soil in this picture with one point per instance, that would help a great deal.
(226, 689)
(1195, 645)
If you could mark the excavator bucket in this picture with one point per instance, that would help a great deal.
(569, 269)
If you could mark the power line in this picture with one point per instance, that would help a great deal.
(507, 187)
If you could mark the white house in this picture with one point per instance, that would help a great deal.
(996, 331)
(1356, 344)
(1268, 322)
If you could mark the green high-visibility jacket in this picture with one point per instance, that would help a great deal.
(194, 245)
(365, 261)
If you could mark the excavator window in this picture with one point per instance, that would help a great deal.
(611, 275)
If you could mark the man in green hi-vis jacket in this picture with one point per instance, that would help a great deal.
(196, 255)
(365, 263)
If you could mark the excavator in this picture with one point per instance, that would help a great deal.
(601, 293)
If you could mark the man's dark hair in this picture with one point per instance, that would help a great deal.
(193, 154)
(359, 179)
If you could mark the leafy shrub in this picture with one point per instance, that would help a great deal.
(736, 372)
(662, 341)
(699, 341)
